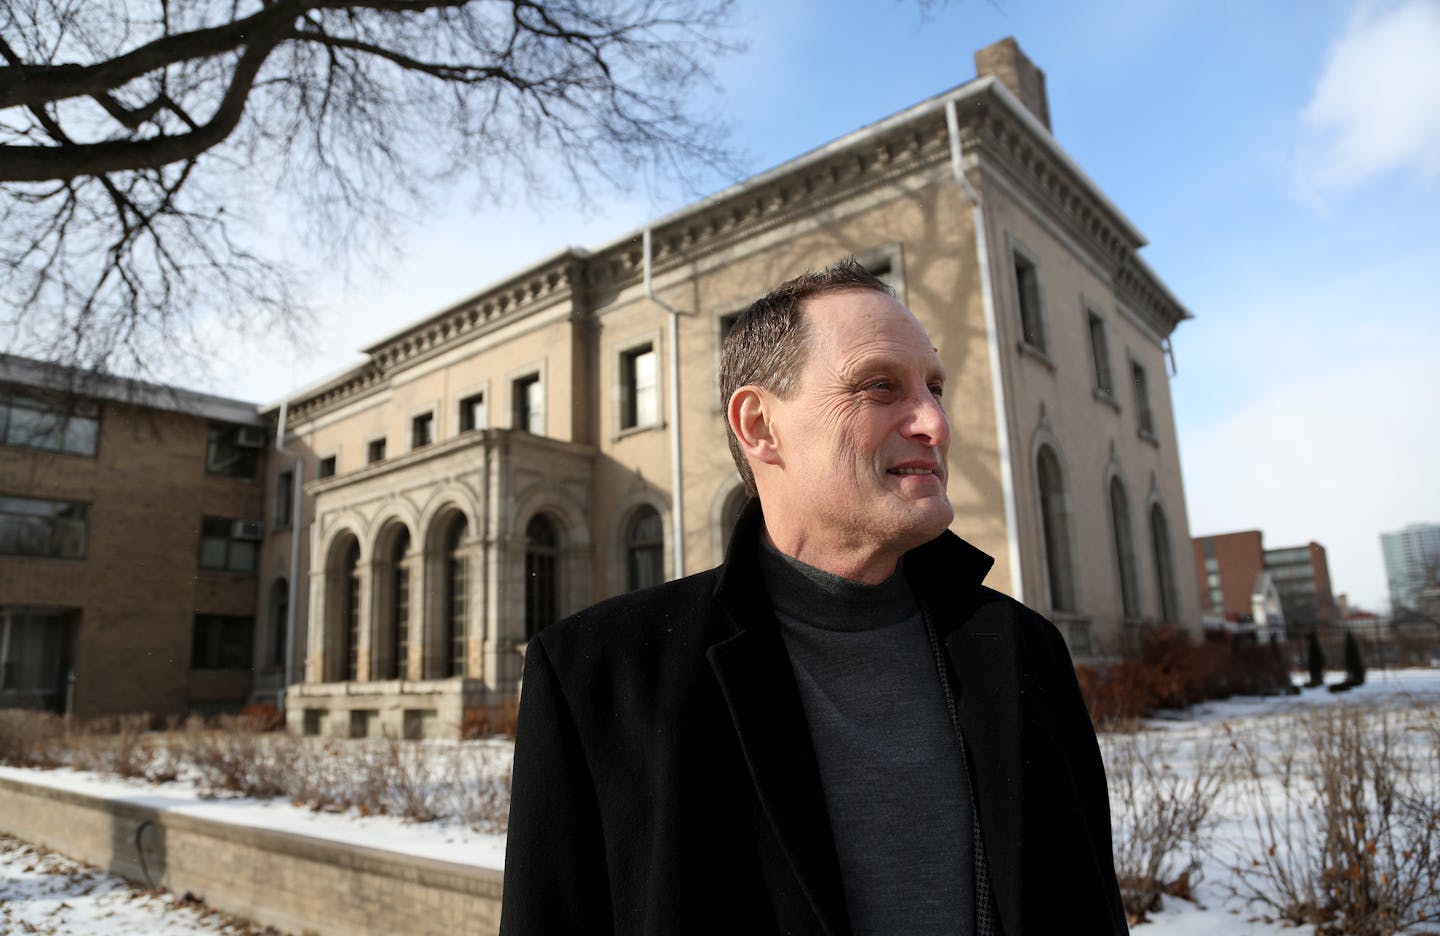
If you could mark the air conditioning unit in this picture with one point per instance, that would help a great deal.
(250, 436)
(247, 530)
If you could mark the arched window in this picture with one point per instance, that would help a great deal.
(729, 515)
(351, 615)
(278, 609)
(1124, 549)
(1164, 568)
(542, 588)
(644, 549)
(455, 596)
(398, 623)
(1055, 526)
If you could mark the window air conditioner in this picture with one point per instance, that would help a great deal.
(250, 436)
(247, 530)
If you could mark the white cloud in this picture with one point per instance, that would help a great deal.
(1336, 458)
(1376, 106)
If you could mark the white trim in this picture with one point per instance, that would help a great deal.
(997, 374)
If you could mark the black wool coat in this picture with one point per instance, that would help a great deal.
(665, 783)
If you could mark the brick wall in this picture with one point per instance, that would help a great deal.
(140, 585)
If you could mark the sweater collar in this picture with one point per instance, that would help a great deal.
(943, 573)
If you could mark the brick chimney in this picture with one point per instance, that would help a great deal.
(1005, 61)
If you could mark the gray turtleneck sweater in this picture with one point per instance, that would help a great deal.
(890, 759)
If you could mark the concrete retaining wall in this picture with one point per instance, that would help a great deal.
(293, 882)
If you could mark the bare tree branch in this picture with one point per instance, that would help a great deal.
(145, 145)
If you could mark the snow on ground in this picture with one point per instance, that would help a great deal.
(42, 892)
(1267, 723)
(75, 901)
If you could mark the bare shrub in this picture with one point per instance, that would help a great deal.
(1346, 806)
(489, 721)
(1160, 810)
(27, 738)
(1166, 668)
(479, 782)
(238, 763)
(421, 781)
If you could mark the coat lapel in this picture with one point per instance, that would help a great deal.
(982, 659)
(752, 669)
(979, 642)
(754, 676)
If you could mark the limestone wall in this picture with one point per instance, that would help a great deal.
(293, 882)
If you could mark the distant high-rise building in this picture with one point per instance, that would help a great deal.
(1412, 558)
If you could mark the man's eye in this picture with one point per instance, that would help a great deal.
(881, 385)
(938, 390)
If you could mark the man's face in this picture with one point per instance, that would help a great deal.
(863, 438)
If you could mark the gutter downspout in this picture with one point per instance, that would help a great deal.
(992, 334)
(672, 392)
(292, 585)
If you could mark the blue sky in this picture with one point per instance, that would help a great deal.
(1282, 158)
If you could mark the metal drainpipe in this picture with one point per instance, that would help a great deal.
(992, 334)
(295, 511)
(672, 391)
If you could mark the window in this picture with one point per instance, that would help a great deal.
(229, 545)
(472, 413)
(645, 550)
(455, 590)
(1164, 570)
(221, 642)
(282, 509)
(1100, 353)
(35, 655)
(1145, 419)
(1124, 550)
(727, 322)
(542, 588)
(527, 396)
(422, 430)
(326, 468)
(351, 568)
(1055, 525)
(279, 612)
(883, 268)
(45, 528)
(1027, 290)
(375, 451)
(234, 451)
(399, 608)
(71, 427)
(639, 391)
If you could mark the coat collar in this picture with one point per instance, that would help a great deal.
(754, 675)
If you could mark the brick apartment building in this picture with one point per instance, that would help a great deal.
(128, 544)
(1239, 577)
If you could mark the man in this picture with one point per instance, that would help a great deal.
(838, 731)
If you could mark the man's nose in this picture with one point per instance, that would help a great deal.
(928, 422)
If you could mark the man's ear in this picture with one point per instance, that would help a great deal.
(750, 413)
